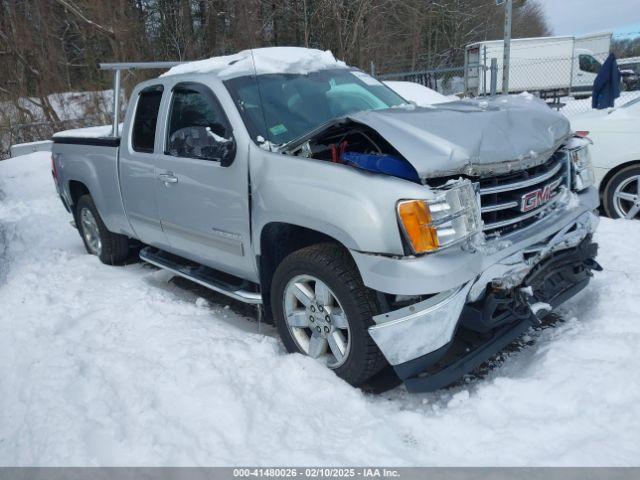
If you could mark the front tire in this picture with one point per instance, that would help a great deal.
(621, 195)
(322, 309)
(110, 248)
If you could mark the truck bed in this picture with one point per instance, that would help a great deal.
(97, 136)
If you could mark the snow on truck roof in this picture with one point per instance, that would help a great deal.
(267, 60)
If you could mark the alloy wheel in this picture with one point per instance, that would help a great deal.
(317, 322)
(626, 198)
(90, 231)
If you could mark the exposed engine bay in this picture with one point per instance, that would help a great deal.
(357, 145)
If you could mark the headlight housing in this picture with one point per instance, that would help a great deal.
(582, 175)
(450, 216)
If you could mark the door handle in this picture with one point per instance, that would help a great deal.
(168, 177)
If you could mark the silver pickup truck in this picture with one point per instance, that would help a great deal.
(370, 231)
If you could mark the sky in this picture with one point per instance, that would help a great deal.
(575, 17)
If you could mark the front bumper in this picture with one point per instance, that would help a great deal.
(452, 267)
(416, 337)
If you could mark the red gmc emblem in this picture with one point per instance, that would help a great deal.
(537, 198)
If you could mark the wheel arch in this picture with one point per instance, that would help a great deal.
(279, 239)
(605, 208)
(609, 175)
(76, 190)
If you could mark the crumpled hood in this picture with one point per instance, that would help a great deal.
(473, 137)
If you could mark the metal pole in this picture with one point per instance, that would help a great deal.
(465, 75)
(508, 10)
(373, 69)
(116, 102)
(137, 65)
(484, 70)
(494, 76)
(117, 68)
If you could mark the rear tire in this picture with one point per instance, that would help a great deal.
(621, 195)
(350, 309)
(111, 248)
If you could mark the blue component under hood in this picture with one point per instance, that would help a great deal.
(386, 164)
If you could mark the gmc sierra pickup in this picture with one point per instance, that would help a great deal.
(369, 230)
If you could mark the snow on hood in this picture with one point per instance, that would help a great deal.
(267, 60)
(473, 137)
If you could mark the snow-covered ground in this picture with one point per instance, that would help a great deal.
(117, 366)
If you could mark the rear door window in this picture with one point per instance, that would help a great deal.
(146, 118)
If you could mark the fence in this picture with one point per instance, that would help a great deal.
(448, 80)
(568, 81)
(24, 120)
(472, 80)
(33, 132)
(565, 82)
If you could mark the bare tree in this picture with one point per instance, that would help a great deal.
(52, 46)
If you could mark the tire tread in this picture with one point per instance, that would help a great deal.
(115, 247)
(338, 260)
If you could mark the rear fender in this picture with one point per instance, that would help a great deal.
(96, 168)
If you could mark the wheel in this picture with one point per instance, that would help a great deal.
(621, 196)
(111, 248)
(322, 309)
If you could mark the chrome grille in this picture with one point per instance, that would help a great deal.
(502, 196)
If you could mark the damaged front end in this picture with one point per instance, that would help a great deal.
(470, 138)
(435, 342)
(500, 235)
(487, 207)
(354, 144)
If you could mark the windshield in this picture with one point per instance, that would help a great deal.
(282, 107)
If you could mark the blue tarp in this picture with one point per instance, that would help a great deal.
(606, 86)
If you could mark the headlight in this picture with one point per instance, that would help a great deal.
(452, 215)
(582, 170)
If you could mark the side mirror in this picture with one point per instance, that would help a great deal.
(203, 143)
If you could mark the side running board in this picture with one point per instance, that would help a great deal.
(205, 276)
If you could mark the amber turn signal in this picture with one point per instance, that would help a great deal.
(416, 220)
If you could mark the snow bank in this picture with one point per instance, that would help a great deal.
(267, 60)
(118, 366)
(419, 94)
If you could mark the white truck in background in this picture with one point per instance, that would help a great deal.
(597, 43)
(550, 66)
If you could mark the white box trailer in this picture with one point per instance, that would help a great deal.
(598, 44)
(542, 64)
